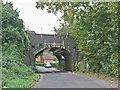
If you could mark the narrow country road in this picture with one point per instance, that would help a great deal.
(53, 78)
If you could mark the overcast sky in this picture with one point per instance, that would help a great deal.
(35, 18)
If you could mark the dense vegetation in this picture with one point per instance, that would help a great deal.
(14, 44)
(94, 26)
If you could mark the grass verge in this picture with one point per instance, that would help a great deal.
(22, 83)
(112, 81)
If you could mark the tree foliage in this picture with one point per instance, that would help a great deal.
(14, 43)
(13, 28)
(94, 26)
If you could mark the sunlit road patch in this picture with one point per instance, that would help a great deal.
(46, 70)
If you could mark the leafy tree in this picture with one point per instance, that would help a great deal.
(12, 27)
(94, 26)
(14, 43)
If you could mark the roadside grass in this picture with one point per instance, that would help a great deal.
(102, 76)
(113, 81)
(22, 83)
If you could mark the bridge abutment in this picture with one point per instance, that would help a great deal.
(29, 57)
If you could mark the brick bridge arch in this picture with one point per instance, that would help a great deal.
(59, 51)
(39, 42)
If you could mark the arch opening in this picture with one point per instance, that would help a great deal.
(63, 55)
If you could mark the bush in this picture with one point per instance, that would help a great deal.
(79, 66)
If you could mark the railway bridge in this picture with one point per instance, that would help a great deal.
(61, 45)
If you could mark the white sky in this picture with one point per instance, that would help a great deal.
(35, 18)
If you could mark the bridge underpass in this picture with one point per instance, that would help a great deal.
(62, 45)
(58, 52)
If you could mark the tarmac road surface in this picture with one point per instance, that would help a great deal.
(53, 78)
